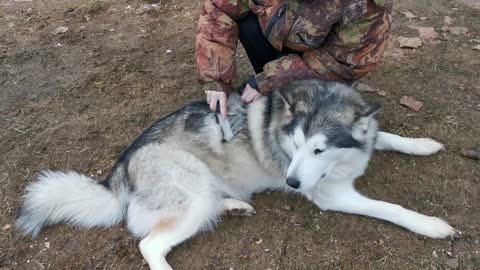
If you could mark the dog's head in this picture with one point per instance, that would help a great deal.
(326, 129)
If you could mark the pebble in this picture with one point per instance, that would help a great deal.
(411, 43)
(60, 30)
(452, 263)
(363, 87)
(408, 14)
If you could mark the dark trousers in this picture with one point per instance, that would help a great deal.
(258, 48)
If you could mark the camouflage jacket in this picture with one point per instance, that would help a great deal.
(337, 39)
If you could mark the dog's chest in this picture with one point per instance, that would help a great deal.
(246, 173)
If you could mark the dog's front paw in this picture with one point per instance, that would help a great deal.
(425, 147)
(244, 212)
(238, 208)
(437, 228)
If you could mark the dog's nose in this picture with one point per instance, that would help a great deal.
(293, 182)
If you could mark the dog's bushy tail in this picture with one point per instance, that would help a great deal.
(72, 198)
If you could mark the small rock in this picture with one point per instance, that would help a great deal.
(363, 87)
(47, 244)
(60, 30)
(380, 242)
(168, 51)
(427, 33)
(99, 172)
(434, 254)
(7, 227)
(382, 93)
(231, 268)
(452, 263)
(29, 11)
(68, 10)
(458, 30)
(448, 20)
(476, 47)
(259, 242)
(471, 153)
(411, 103)
(10, 25)
(455, 9)
(408, 14)
(411, 43)
(146, 8)
(423, 18)
(287, 207)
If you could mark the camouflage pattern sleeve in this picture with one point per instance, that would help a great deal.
(216, 43)
(353, 48)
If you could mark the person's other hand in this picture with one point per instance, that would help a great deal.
(250, 94)
(215, 97)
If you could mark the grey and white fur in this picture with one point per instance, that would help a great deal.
(311, 137)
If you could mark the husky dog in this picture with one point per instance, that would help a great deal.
(311, 137)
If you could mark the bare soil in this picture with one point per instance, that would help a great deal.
(74, 100)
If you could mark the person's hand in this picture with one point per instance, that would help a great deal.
(250, 94)
(214, 97)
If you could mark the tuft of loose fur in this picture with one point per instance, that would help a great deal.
(70, 198)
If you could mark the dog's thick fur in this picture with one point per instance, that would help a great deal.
(311, 137)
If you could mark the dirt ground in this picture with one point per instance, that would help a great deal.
(74, 100)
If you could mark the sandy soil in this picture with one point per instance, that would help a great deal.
(74, 100)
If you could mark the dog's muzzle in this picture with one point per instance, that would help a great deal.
(293, 182)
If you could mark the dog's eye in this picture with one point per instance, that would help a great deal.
(317, 151)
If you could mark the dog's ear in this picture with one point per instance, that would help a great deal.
(367, 110)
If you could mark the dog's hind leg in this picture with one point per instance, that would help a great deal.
(412, 146)
(344, 198)
(170, 231)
